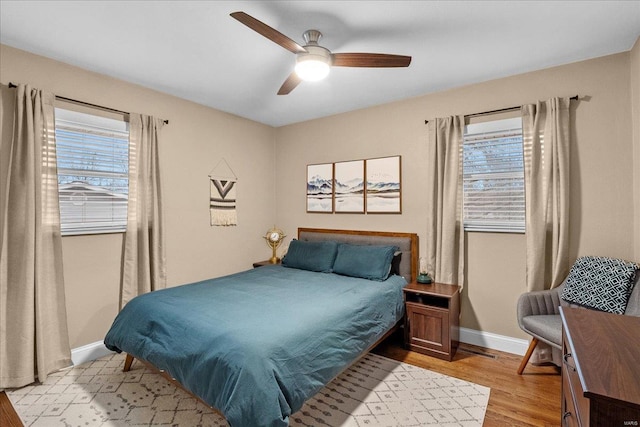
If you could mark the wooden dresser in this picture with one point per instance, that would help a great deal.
(601, 369)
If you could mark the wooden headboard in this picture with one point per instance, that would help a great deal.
(407, 242)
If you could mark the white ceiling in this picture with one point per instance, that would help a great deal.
(195, 50)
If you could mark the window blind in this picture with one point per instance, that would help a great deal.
(493, 177)
(93, 172)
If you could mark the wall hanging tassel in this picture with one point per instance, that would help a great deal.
(223, 185)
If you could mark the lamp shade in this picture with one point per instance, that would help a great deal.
(312, 70)
(314, 64)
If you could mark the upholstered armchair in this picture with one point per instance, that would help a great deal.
(538, 315)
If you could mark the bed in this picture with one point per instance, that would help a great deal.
(256, 344)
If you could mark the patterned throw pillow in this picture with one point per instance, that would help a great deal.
(601, 283)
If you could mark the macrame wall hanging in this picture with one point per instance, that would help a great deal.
(223, 183)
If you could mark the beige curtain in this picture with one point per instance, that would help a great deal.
(545, 128)
(143, 259)
(33, 322)
(445, 234)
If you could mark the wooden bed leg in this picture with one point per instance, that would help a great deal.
(527, 355)
(127, 363)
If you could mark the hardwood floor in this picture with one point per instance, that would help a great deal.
(531, 399)
(8, 416)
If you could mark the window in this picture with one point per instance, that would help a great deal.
(493, 176)
(93, 172)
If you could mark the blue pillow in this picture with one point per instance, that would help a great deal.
(312, 256)
(365, 261)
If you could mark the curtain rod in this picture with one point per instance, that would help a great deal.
(113, 110)
(501, 110)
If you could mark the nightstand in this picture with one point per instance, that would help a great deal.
(432, 319)
(262, 263)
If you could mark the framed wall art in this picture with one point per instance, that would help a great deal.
(348, 186)
(383, 185)
(320, 188)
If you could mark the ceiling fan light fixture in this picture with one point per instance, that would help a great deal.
(313, 65)
(313, 61)
(312, 70)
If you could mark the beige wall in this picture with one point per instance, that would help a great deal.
(196, 138)
(272, 162)
(635, 121)
(602, 210)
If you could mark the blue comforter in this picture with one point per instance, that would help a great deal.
(255, 345)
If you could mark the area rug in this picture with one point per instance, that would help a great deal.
(375, 391)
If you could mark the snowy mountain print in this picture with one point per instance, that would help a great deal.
(319, 185)
(383, 185)
(320, 188)
(355, 185)
(349, 186)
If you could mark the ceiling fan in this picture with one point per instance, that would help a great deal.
(314, 61)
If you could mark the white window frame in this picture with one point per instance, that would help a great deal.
(493, 185)
(93, 172)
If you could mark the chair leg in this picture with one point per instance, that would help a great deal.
(527, 356)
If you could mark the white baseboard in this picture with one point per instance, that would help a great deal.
(89, 352)
(96, 350)
(494, 341)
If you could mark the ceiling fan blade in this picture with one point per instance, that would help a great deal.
(270, 33)
(290, 84)
(370, 60)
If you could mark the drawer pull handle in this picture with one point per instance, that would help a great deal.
(564, 417)
(566, 357)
